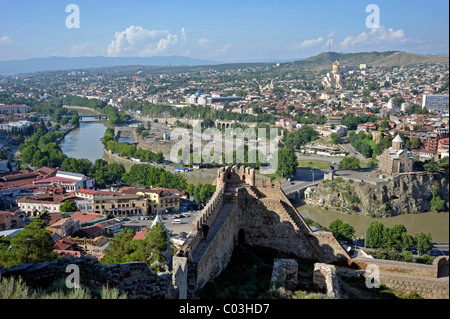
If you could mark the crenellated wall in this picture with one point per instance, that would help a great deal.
(258, 214)
(236, 175)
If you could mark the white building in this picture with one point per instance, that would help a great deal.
(67, 180)
(18, 125)
(334, 79)
(436, 103)
(14, 108)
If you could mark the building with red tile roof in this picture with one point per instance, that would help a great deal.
(24, 179)
(9, 220)
(88, 219)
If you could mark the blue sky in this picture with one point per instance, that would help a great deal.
(220, 30)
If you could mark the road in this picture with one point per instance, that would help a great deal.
(319, 158)
(352, 152)
(303, 178)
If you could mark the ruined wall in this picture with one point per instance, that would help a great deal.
(398, 267)
(135, 279)
(324, 277)
(426, 287)
(180, 276)
(411, 277)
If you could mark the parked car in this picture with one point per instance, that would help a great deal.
(176, 221)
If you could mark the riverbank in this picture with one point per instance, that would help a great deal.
(437, 224)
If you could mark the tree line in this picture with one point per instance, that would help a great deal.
(129, 150)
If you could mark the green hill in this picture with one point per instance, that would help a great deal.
(384, 59)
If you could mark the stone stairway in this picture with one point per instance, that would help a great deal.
(299, 228)
(253, 191)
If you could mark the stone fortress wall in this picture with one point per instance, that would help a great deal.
(241, 211)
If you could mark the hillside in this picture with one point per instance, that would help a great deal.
(383, 59)
(403, 195)
(403, 58)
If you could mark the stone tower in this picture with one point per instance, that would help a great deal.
(336, 67)
(235, 175)
(397, 143)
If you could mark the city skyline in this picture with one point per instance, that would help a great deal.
(225, 32)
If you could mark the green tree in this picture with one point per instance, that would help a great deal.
(33, 244)
(151, 249)
(432, 166)
(64, 121)
(374, 237)
(202, 193)
(335, 138)
(68, 206)
(74, 165)
(396, 234)
(287, 162)
(341, 230)
(424, 242)
(190, 189)
(120, 248)
(351, 163)
(408, 242)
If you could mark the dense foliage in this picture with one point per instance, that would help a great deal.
(33, 244)
(146, 175)
(123, 248)
(379, 236)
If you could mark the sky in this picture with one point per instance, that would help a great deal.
(223, 31)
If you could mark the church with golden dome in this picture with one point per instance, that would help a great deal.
(334, 78)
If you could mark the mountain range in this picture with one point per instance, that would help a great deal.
(318, 62)
(73, 63)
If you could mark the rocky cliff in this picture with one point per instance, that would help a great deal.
(405, 194)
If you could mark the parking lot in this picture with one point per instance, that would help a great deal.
(174, 229)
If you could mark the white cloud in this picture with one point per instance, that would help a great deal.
(86, 49)
(138, 41)
(376, 36)
(308, 43)
(224, 50)
(184, 34)
(203, 41)
(5, 40)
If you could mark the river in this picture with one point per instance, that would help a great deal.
(437, 224)
(84, 142)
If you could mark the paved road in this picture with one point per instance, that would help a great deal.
(306, 177)
(360, 175)
(302, 178)
(319, 158)
(352, 152)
